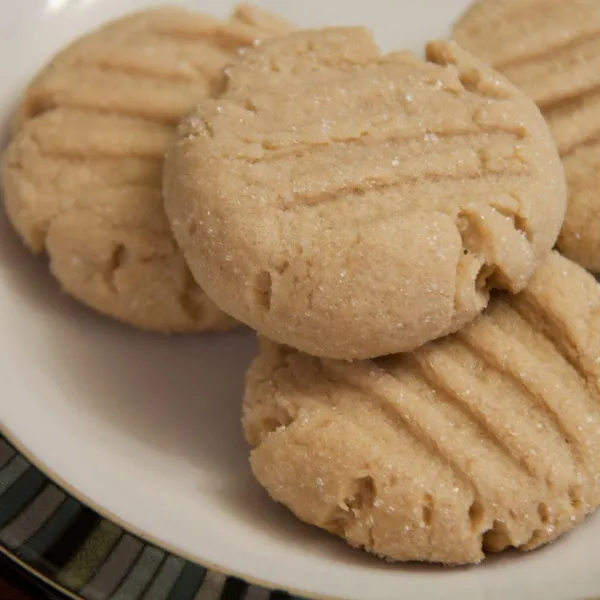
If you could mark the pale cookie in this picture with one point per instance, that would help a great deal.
(351, 204)
(551, 50)
(82, 176)
(486, 439)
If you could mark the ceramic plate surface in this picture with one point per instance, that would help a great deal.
(146, 429)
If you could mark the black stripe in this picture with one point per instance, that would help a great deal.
(188, 583)
(234, 589)
(67, 545)
(277, 595)
(20, 494)
(7, 453)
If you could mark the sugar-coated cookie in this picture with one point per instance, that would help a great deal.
(551, 50)
(352, 204)
(483, 440)
(82, 176)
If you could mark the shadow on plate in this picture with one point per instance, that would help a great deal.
(251, 504)
(139, 382)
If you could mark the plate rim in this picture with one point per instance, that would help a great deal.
(147, 540)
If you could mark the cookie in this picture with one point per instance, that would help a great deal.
(352, 204)
(483, 440)
(82, 176)
(551, 50)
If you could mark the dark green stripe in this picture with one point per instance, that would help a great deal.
(20, 494)
(67, 545)
(234, 589)
(16, 468)
(187, 584)
(6, 453)
(53, 528)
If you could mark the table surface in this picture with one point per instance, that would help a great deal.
(9, 593)
(17, 584)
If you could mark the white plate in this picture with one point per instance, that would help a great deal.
(146, 429)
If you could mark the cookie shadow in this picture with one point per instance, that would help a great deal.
(6, 126)
(180, 395)
(252, 506)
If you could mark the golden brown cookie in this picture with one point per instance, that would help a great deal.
(353, 204)
(82, 176)
(485, 439)
(551, 50)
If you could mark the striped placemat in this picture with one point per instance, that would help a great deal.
(86, 556)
